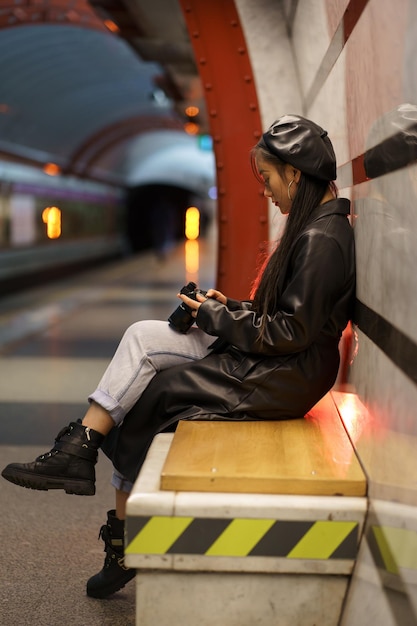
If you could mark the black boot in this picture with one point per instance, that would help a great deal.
(114, 574)
(69, 465)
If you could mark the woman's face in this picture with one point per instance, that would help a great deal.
(276, 183)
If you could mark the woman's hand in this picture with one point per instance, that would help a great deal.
(217, 295)
(195, 304)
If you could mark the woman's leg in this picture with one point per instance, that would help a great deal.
(98, 419)
(114, 575)
(121, 499)
(145, 349)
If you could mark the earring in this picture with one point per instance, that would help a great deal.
(288, 190)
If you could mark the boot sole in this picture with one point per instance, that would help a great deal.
(45, 483)
(105, 592)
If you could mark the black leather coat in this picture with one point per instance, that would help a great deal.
(283, 376)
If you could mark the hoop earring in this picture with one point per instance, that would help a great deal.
(288, 190)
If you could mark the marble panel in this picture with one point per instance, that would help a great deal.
(335, 11)
(271, 57)
(310, 40)
(383, 590)
(375, 69)
(329, 110)
(266, 33)
(384, 429)
(386, 247)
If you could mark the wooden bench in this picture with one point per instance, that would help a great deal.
(236, 523)
(310, 456)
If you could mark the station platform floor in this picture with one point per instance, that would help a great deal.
(55, 342)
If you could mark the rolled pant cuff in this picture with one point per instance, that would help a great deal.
(109, 404)
(119, 482)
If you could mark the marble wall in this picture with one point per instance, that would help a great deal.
(351, 66)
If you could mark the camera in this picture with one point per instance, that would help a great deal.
(181, 319)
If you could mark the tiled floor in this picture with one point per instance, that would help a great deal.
(55, 342)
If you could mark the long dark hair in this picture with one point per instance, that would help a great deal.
(309, 194)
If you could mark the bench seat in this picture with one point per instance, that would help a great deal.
(310, 456)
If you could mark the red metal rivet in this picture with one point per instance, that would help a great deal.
(241, 50)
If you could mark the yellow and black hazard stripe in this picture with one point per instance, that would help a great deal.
(242, 537)
(393, 548)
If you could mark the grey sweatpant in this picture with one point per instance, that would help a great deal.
(146, 348)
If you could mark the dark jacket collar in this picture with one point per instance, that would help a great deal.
(339, 206)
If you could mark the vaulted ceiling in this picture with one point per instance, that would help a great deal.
(81, 84)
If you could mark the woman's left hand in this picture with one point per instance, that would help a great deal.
(193, 304)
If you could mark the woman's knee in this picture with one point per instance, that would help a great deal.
(142, 325)
(144, 328)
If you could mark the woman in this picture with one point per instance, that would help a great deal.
(272, 358)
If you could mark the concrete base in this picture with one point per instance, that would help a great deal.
(230, 559)
(222, 599)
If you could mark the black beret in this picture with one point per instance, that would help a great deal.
(303, 144)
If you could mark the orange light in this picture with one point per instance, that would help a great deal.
(354, 414)
(112, 26)
(192, 260)
(51, 216)
(52, 169)
(192, 223)
(192, 111)
(191, 128)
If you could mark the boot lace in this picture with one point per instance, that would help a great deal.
(111, 553)
(64, 431)
(47, 455)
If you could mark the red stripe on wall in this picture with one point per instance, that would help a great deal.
(351, 16)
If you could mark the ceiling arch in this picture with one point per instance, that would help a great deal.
(75, 94)
(61, 86)
(76, 12)
(96, 146)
